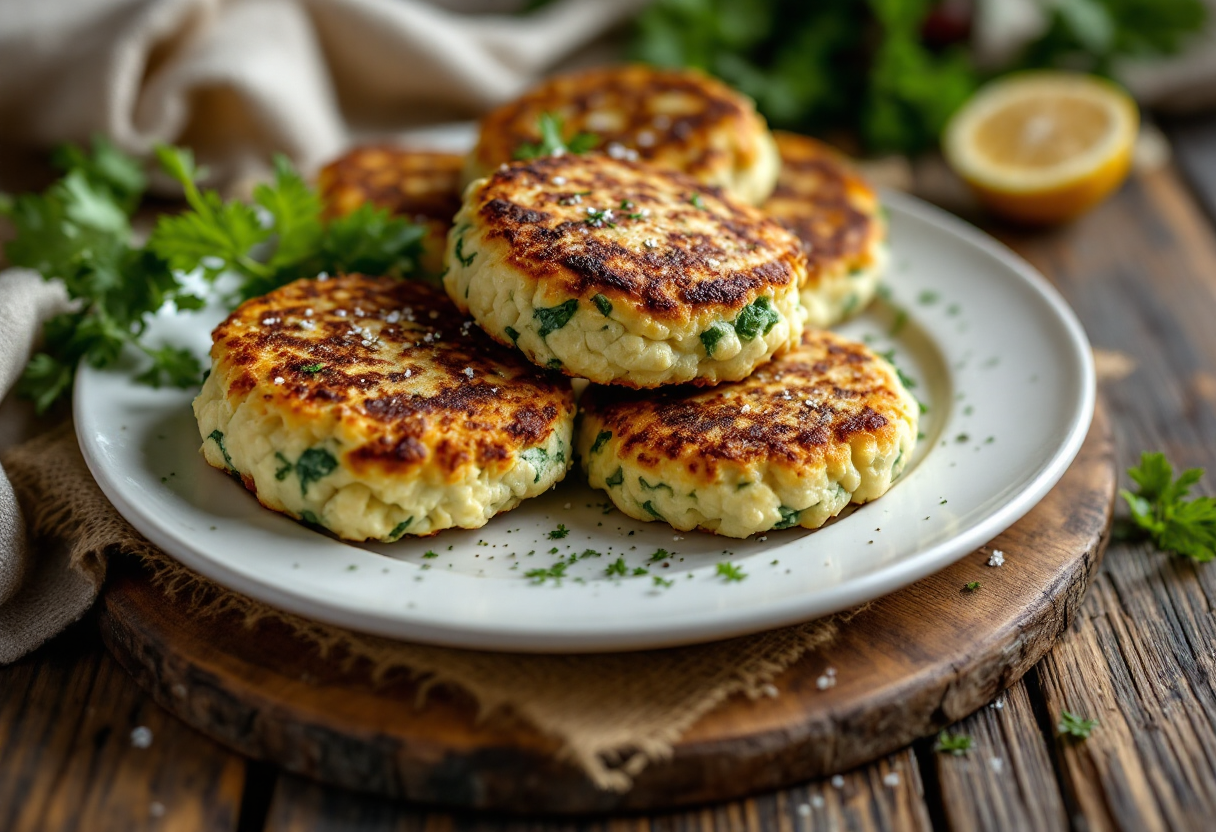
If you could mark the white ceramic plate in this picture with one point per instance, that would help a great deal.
(998, 358)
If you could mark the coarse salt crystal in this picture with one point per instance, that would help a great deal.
(141, 737)
(278, 379)
(817, 801)
(770, 690)
(996, 764)
(616, 150)
(891, 780)
(341, 313)
(824, 682)
(409, 373)
(745, 409)
(838, 781)
(558, 180)
(468, 371)
(997, 558)
(804, 810)
(713, 261)
(649, 242)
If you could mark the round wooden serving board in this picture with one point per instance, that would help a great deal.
(907, 666)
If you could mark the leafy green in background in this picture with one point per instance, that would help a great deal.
(79, 231)
(862, 67)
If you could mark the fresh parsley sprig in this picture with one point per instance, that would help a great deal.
(79, 231)
(1074, 726)
(1184, 527)
(956, 745)
(551, 142)
(285, 240)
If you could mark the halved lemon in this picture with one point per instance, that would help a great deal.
(1043, 147)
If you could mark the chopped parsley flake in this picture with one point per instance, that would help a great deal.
(955, 744)
(400, 528)
(972, 586)
(730, 572)
(553, 318)
(928, 297)
(1072, 725)
(312, 369)
(460, 255)
(513, 334)
(597, 218)
(551, 142)
(757, 318)
(663, 582)
(615, 479)
(617, 567)
(314, 464)
(600, 440)
(711, 337)
(695, 202)
(789, 517)
(640, 570)
(218, 437)
(660, 554)
(554, 573)
(429, 554)
(603, 304)
(560, 532)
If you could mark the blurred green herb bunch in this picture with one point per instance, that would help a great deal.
(890, 72)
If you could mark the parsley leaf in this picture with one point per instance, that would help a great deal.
(551, 142)
(956, 744)
(560, 532)
(79, 231)
(1073, 726)
(617, 567)
(730, 572)
(1184, 527)
(554, 573)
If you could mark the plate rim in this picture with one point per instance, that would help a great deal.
(536, 637)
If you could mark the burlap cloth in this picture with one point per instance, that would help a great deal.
(612, 714)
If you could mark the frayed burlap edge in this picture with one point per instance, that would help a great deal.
(611, 714)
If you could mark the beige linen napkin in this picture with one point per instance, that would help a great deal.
(238, 80)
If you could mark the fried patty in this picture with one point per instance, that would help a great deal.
(371, 407)
(827, 424)
(838, 218)
(420, 185)
(677, 118)
(622, 273)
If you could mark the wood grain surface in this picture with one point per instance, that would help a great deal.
(900, 675)
(1141, 273)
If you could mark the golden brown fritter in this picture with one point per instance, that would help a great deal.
(677, 118)
(640, 263)
(832, 209)
(369, 402)
(420, 185)
(823, 425)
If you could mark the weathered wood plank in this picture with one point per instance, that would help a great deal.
(1194, 142)
(1141, 272)
(1007, 780)
(69, 762)
(885, 795)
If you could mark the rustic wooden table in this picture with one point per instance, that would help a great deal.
(1140, 655)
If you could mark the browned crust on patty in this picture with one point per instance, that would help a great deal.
(851, 390)
(822, 199)
(420, 185)
(709, 251)
(403, 395)
(644, 97)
